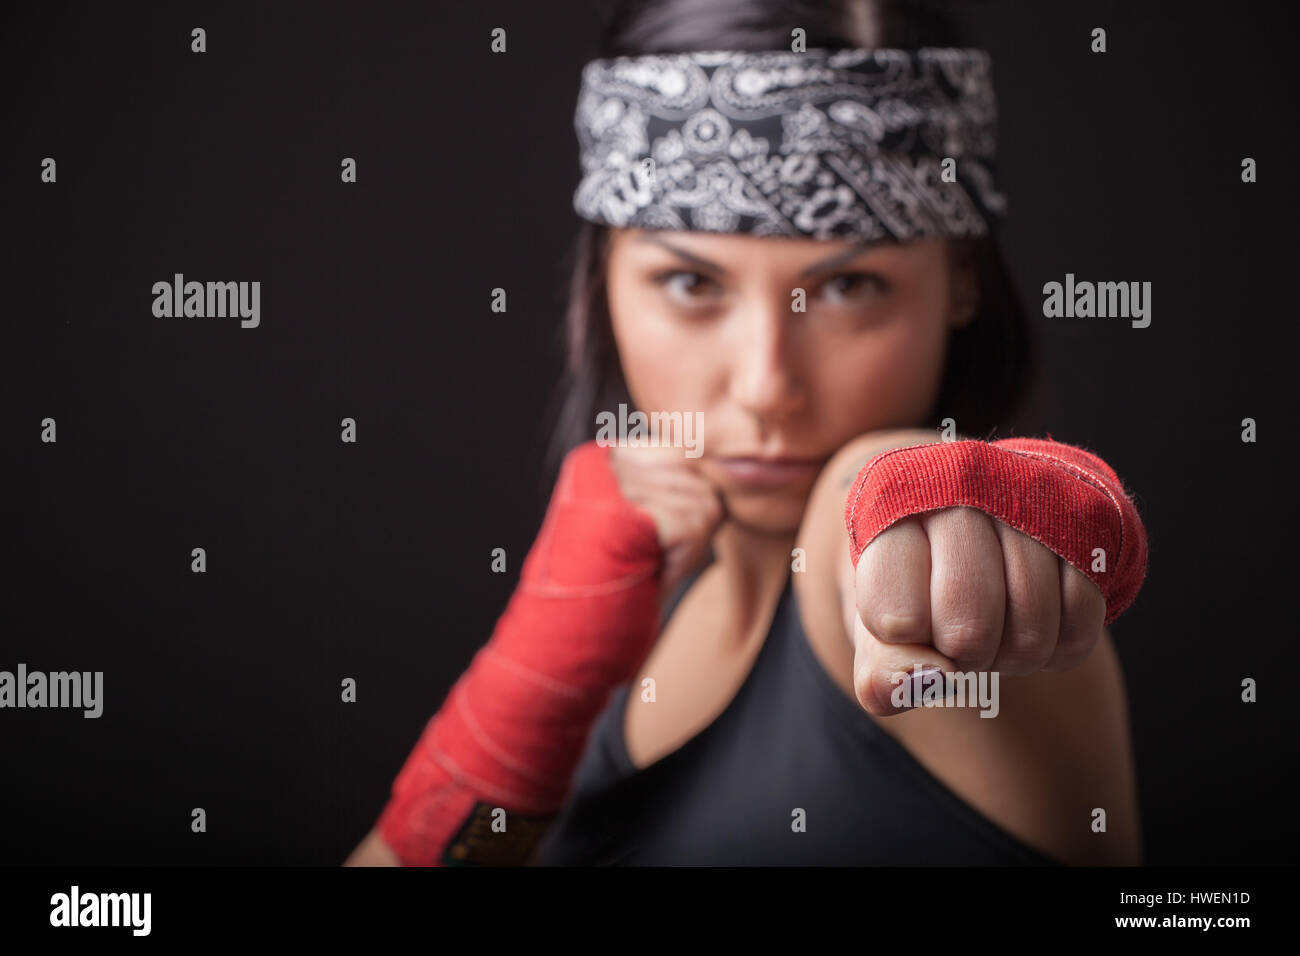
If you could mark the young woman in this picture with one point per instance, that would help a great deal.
(703, 660)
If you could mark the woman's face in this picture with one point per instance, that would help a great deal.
(707, 323)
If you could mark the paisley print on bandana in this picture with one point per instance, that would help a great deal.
(826, 144)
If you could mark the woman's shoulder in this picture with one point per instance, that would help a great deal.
(1053, 765)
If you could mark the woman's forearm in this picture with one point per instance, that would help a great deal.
(373, 851)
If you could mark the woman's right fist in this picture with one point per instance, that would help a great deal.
(685, 507)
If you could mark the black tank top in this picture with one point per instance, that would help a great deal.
(790, 740)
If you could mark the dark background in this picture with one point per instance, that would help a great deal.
(371, 560)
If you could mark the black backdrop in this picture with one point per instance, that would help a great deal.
(328, 560)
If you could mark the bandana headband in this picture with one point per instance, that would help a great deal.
(826, 144)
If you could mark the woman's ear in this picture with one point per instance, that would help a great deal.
(964, 291)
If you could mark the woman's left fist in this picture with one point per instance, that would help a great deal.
(959, 590)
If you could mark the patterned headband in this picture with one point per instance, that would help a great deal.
(827, 144)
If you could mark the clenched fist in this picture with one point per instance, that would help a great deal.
(959, 590)
(684, 505)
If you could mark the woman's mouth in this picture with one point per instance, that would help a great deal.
(770, 472)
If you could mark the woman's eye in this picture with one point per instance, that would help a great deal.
(687, 286)
(853, 288)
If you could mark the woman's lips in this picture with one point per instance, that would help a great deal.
(771, 471)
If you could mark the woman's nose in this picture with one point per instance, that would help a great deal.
(765, 379)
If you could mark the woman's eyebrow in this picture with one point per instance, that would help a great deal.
(848, 254)
(851, 253)
(688, 256)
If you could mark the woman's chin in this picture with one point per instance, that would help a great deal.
(769, 511)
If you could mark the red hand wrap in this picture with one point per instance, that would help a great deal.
(1061, 496)
(513, 727)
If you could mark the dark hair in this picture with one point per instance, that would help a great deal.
(990, 360)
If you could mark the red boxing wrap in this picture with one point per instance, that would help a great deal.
(1067, 499)
(513, 728)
